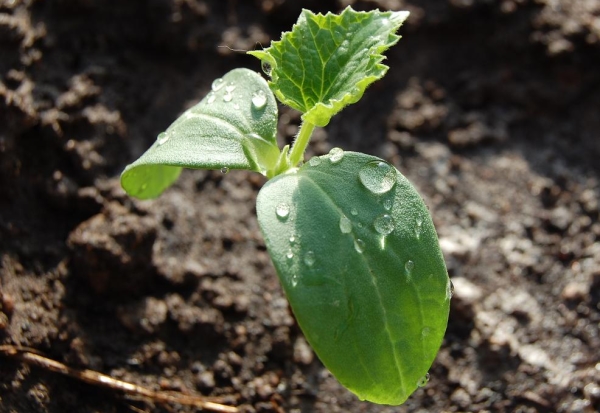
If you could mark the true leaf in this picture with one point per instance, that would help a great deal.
(233, 127)
(327, 61)
(358, 257)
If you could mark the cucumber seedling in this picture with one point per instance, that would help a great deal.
(352, 241)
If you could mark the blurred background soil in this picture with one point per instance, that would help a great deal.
(491, 108)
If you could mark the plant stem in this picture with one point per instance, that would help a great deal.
(301, 142)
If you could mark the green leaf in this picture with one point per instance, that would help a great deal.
(233, 127)
(359, 259)
(327, 61)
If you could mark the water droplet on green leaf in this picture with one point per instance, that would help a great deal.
(266, 68)
(282, 211)
(224, 170)
(378, 177)
(384, 224)
(309, 258)
(290, 254)
(228, 97)
(336, 155)
(217, 84)
(354, 211)
(345, 225)
(423, 380)
(211, 98)
(359, 246)
(162, 138)
(409, 266)
(315, 161)
(259, 99)
(450, 290)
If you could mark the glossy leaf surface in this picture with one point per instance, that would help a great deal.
(327, 61)
(359, 259)
(233, 127)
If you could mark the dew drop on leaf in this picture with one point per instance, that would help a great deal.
(425, 331)
(266, 68)
(162, 138)
(359, 245)
(450, 290)
(230, 87)
(294, 280)
(378, 177)
(336, 155)
(217, 84)
(409, 266)
(292, 239)
(315, 161)
(282, 211)
(423, 380)
(345, 225)
(387, 204)
(290, 254)
(418, 228)
(309, 258)
(384, 224)
(354, 211)
(228, 97)
(224, 170)
(211, 98)
(259, 99)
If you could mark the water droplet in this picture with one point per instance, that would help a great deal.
(385, 22)
(228, 97)
(315, 161)
(423, 380)
(354, 211)
(211, 98)
(224, 170)
(217, 84)
(425, 331)
(309, 258)
(378, 177)
(345, 225)
(294, 280)
(384, 224)
(409, 266)
(359, 246)
(290, 254)
(259, 99)
(236, 106)
(162, 138)
(336, 155)
(450, 290)
(419, 227)
(266, 68)
(292, 239)
(387, 204)
(230, 87)
(282, 210)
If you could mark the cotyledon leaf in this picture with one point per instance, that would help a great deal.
(327, 61)
(233, 127)
(359, 260)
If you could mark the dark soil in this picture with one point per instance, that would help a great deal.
(491, 108)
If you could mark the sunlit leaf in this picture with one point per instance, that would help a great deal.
(358, 257)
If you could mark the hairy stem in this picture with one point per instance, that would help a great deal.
(301, 142)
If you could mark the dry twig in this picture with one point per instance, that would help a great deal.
(30, 356)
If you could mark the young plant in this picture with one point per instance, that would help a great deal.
(352, 241)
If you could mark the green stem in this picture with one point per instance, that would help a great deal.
(301, 142)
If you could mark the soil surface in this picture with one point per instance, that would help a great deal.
(491, 108)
